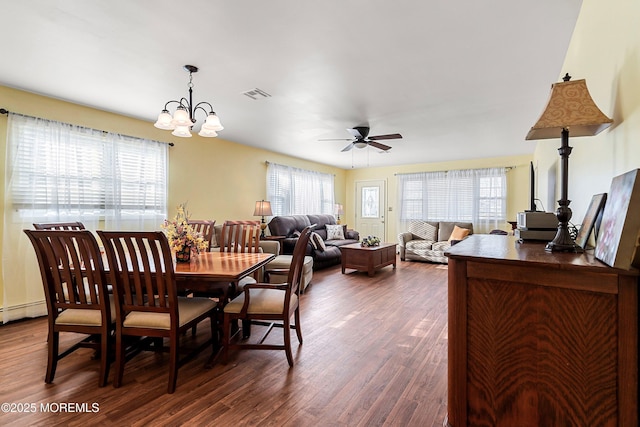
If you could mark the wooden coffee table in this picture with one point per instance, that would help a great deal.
(369, 258)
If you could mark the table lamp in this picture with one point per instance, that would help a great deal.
(263, 208)
(570, 108)
(339, 211)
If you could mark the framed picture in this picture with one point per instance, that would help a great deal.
(592, 220)
(618, 240)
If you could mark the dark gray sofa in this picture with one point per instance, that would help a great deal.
(288, 225)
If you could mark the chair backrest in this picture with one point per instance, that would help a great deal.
(141, 269)
(72, 271)
(297, 261)
(240, 236)
(205, 227)
(59, 226)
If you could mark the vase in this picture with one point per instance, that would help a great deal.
(184, 254)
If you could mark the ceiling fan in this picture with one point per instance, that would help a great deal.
(361, 139)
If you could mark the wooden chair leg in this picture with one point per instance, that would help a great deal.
(119, 368)
(104, 360)
(246, 329)
(52, 359)
(298, 329)
(173, 365)
(287, 341)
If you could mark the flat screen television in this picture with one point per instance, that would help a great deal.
(532, 188)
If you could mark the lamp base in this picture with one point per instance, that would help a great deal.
(263, 225)
(563, 242)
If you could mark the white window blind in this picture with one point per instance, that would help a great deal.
(294, 191)
(471, 195)
(64, 172)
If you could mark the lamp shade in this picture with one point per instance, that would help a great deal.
(212, 122)
(207, 133)
(181, 117)
(570, 107)
(182, 132)
(339, 209)
(263, 208)
(164, 121)
(360, 144)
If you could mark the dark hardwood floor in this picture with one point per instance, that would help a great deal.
(374, 353)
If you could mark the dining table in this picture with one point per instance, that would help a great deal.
(211, 271)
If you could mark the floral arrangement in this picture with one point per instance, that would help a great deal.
(370, 241)
(182, 237)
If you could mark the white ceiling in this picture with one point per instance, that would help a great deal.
(456, 80)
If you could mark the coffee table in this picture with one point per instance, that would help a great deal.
(368, 258)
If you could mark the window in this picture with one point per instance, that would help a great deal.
(60, 171)
(56, 172)
(294, 191)
(472, 195)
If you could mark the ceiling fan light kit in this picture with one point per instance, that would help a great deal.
(183, 118)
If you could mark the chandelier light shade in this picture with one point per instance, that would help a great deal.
(263, 208)
(570, 110)
(183, 117)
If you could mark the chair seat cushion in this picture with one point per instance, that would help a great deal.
(262, 301)
(85, 316)
(188, 309)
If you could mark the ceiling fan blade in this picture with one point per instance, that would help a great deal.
(341, 139)
(348, 147)
(389, 136)
(378, 145)
(359, 132)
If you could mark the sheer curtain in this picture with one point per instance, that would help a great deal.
(294, 191)
(470, 195)
(56, 172)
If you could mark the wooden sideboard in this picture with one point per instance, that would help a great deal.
(539, 338)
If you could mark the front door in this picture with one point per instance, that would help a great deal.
(371, 204)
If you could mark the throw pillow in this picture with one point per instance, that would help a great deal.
(458, 233)
(335, 232)
(318, 243)
(423, 230)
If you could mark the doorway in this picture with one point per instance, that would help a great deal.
(371, 205)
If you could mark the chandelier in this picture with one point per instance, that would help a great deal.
(183, 118)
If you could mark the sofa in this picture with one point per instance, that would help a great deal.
(324, 253)
(428, 240)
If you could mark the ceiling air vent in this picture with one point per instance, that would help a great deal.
(256, 94)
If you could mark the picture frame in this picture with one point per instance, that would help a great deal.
(592, 220)
(617, 243)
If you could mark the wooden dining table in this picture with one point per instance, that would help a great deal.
(210, 269)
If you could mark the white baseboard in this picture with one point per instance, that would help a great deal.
(21, 311)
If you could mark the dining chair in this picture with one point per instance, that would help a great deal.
(240, 236)
(75, 287)
(205, 227)
(59, 226)
(271, 305)
(147, 302)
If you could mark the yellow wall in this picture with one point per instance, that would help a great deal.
(517, 185)
(605, 51)
(217, 178)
